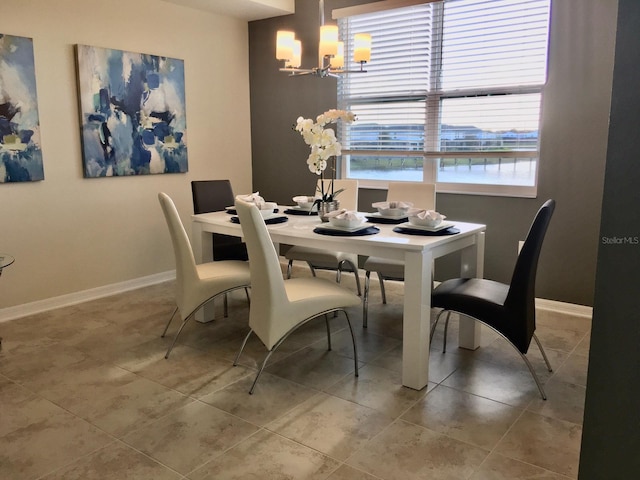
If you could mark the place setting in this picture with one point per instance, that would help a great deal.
(427, 223)
(305, 205)
(346, 223)
(389, 212)
(269, 210)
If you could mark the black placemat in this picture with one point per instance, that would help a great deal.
(387, 221)
(425, 233)
(268, 221)
(372, 230)
(295, 211)
(232, 211)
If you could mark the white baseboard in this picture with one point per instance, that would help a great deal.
(18, 311)
(562, 307)
(11, 313)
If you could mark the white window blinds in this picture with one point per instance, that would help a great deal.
(390, 98)
(457, 76)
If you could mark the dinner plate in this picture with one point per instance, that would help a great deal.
(314, 208)
(341, 232)
(377, 218)
(298, 211)
(328, 226)
(271, 215)
(386, 217)
(442, 226)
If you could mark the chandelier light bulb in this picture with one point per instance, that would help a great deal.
(284, 45)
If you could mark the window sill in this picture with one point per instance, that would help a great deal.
(517, 191)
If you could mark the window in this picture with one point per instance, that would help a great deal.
(452, 95)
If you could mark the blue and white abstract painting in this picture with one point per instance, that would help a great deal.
(133, 117)
(20, 153)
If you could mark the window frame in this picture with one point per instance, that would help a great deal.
(433, 106)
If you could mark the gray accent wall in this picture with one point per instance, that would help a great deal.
(611, 433)
(573, 143)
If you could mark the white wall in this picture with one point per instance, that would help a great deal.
(71, 234)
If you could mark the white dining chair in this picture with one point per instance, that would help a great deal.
(197, 284)
(318, 258)
(279, 306)
(422, 195)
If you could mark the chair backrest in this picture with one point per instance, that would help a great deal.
(422, 195)
(185, 262)
(521, 297)
(211, 195)
(349, 198)
(269, 302)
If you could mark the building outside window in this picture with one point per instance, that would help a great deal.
(452, 95)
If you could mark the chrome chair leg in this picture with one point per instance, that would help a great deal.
(175, 339)
(365, 299)
(169, 323)
(289, 268)
(383, 292)
(226, 306)
(354, 269)
(244, 342)
(326, 319)
(446, 328)
(246, 292)
(264, 363)
(433, 327)
(313, 270)
(353, 340)
(544, 355)
(533, 373)
(279, 342)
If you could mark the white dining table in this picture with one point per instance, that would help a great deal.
(418, 253)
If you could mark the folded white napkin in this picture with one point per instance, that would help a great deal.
(304, 199)
(427, 214)
(344, 214)
(387, 205)
(253, 198)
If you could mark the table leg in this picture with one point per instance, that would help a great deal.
(416, 319)
(472, 265)
(202, 245)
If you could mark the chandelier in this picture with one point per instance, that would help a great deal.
(330, 51)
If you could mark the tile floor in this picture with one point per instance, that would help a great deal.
(85, 393)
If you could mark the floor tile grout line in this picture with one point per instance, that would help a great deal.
(395, 419)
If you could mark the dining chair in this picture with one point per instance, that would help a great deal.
(279, 306)
(197, 284)
(215, 196)
(320, 259)
(507, 309)
(422, 195)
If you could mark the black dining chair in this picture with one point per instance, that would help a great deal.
(215, 196)
(507, 309)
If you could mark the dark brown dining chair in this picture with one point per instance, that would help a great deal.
(507, 309)
(215, 196)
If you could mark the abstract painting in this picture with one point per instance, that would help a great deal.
(132, 108)
(20, 153)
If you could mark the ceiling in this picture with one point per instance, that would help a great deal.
(243, 9)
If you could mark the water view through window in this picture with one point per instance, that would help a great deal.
(489, 171)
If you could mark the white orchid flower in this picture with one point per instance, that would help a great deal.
(323, 144)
